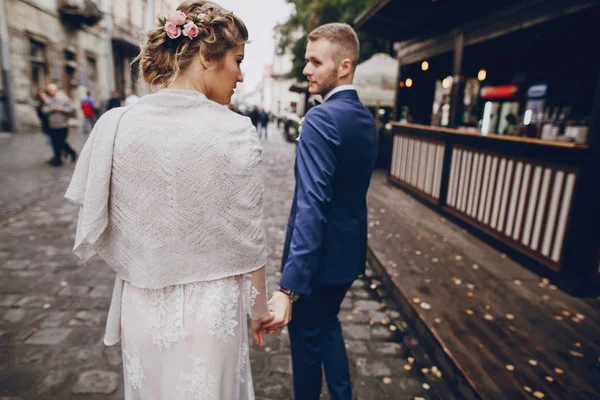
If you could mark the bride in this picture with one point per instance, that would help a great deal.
(170, 193)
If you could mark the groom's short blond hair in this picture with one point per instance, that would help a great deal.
(343, 37)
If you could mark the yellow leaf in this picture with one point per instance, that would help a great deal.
(489, 317)
(426, 386)
(539, 395)
(510, 367)
(575, 353)
(469, 311)
(558, 370)
(509, 316)
(533, 362)
(387, 380)
(550, 379)
(407, 367)
(527, 389)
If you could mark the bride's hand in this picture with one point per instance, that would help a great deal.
(256, 328)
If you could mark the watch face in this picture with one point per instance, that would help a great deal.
(294, 296)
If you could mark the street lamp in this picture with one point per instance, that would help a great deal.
(482, 74)
(408, 82)
(425, 65)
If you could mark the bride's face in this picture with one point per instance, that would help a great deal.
(226, 75)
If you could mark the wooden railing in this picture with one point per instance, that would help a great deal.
(518, 190)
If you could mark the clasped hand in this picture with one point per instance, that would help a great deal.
(280, 314)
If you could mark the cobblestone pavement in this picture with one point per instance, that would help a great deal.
(52, 309)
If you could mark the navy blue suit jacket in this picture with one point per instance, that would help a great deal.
(326, 239)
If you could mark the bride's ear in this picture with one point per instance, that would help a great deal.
(206, 64)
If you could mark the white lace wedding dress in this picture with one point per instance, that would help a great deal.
(190, 341)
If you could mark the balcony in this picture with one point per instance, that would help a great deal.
(80, 12)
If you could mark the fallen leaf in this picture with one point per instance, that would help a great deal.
(470, 286)
(411, 360)
(558, 317)
(458, 258)
(416, 300)
(580, 316)
(46, 306)
(527, 389)
(550, 379)
(539, 395)
(533, 362)
(426, 386)
(469, 311)
(489, 317)
(510, 367)
(63, 283)
(407, 367)
(387, 380)
(267, 349)
(575, 353)
(475, 266)
(373, 286)
(545, 281)
(435, 260)
(575, 319)
(566, 313)
(509, 316)
(425, 371)
(384, 322)
(517, 282)
(425, 306)
(487, 306)
(437, 320)
(393, 328)
(558, 370)
(470, 294)
(577, 344)
(419, 398)
(418, 252)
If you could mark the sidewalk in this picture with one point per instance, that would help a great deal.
(498, 330)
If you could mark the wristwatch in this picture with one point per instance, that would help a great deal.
(292, 295)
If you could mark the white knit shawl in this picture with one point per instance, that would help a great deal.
(170, 192)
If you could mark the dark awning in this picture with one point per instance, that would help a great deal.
(400, 20)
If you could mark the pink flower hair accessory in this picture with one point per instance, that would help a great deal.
(175, 24)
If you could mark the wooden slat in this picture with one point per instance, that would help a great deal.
(541, 209)
(498, 195)
(522, 197)
(535, 190)
(513, 200)
(505, 193)
(552, 212)
(562, 219)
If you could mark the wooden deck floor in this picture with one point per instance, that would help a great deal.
(501, 331)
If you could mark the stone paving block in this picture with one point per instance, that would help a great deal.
(74, 290)
(101, 291)
(389, 348)
(372, 368)
(14, 315)
(7, 300)
(54, 319)
(356, 347)
(352, 317)
(53, 381)
(282, 363)
(361, 294)
(382, 332)
(367, 305)
(97, 381)
(356, 332)
(347, 304)
(49, 336)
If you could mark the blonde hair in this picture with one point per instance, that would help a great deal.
(341, 35)
(162, 59)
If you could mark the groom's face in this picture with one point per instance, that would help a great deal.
(321, 66)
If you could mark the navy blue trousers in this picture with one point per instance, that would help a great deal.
(316, 340)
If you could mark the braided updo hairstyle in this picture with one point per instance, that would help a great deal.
(162, 58)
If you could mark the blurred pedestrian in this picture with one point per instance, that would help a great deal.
(88, 108)
(254, 116)
(58, 107)
(42, 96)
(131, 99)
(264, 122)
(114, 101)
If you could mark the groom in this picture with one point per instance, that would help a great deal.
(326, 240)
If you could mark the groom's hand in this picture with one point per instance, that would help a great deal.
(281, 307)
(257, 328)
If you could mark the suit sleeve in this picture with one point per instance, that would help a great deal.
(316, 162)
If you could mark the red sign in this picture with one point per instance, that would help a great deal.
(499, 92)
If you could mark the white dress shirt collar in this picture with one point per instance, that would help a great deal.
(338, 89)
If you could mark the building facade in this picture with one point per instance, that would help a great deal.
(81, 45)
